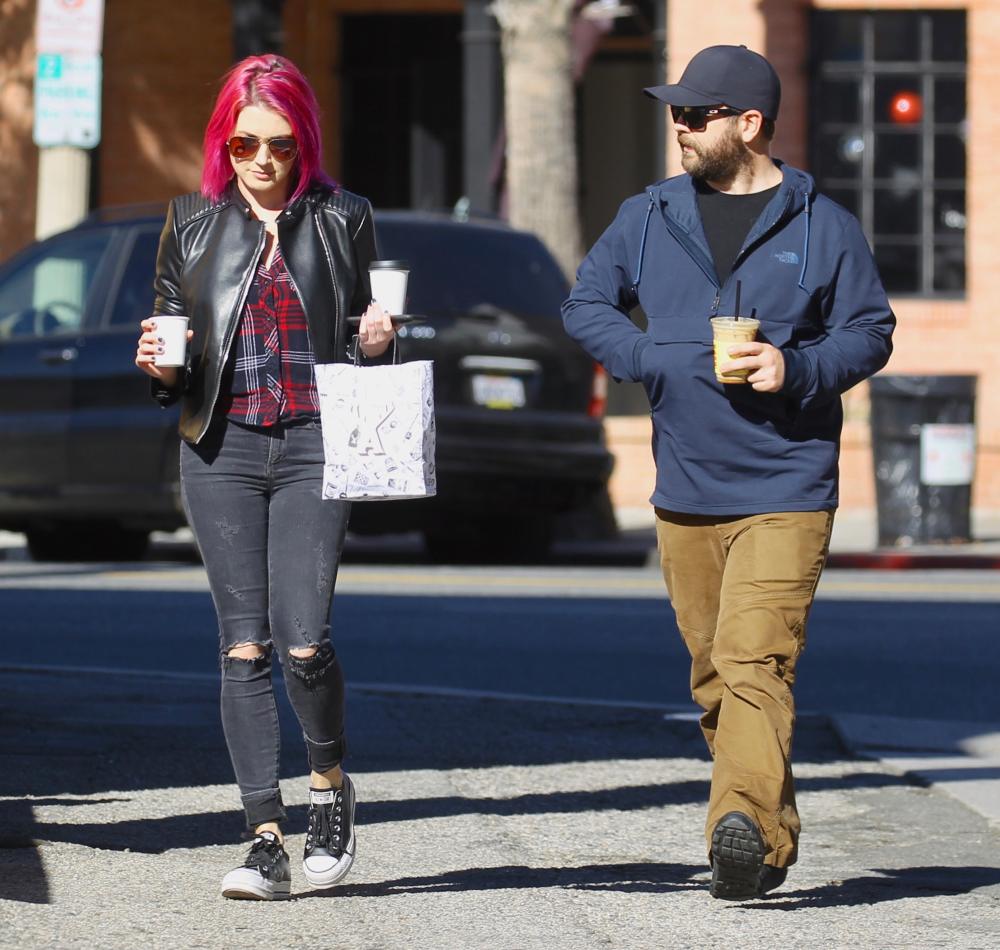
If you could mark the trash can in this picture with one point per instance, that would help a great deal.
(924, 450)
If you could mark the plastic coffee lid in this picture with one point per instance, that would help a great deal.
(389, 265)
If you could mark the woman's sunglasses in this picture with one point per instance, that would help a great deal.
(697, 117)
(283, 148)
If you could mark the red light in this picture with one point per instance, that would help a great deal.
(598, 393)
(906, 108)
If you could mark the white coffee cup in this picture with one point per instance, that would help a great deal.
(173, 332)
(388, 280)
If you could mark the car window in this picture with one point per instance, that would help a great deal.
(457, 269)
(48, 293)
(134, 301)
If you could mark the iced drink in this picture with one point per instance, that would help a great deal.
(727, 331)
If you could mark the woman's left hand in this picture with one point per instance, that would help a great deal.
(376, 331)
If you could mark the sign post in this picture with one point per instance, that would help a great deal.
(67, 108)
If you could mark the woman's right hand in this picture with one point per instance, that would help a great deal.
(150, 344)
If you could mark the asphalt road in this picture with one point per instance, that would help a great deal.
(892, 644)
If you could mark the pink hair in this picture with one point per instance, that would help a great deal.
(270, 82)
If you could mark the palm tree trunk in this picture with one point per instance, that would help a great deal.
(541, 124)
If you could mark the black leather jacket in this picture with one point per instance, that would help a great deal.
(206, 263)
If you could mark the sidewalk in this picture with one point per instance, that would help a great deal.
(481, 823)
(853, 545)
(855, 542)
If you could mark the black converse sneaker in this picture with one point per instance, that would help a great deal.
(329, 851)
(264, 876)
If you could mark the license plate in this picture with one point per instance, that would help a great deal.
(498, 392)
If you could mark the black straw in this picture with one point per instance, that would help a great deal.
(739, 287)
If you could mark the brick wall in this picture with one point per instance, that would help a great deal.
(161, 76)
(19, 181)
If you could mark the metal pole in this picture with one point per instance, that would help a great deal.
(257, 27)
(481, 103)
(659, 78)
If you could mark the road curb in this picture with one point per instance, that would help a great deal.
(961, 759)
(895, 560)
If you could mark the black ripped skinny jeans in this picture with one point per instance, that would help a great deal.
(271, 547)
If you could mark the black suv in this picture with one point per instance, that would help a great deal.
(89, 465)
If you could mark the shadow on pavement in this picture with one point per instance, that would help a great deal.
(650, 878)
(204, 829)
(637, 878)
(895, 884)
(22, 873)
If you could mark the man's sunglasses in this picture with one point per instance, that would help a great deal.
(697, 117)
(283, 148)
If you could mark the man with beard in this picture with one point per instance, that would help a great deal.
(746, 475)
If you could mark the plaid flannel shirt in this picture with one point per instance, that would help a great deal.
(271, 361)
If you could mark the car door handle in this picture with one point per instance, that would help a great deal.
(62, 354)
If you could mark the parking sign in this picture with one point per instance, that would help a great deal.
(68, 100)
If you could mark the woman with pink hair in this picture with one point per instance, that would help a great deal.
(268, 261)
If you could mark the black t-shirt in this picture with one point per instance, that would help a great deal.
(727, 220)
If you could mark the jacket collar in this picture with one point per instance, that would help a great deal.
(678, 198)
(293, 210)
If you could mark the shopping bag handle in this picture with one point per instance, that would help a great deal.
(357, 354)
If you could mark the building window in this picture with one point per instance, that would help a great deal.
(888, 138)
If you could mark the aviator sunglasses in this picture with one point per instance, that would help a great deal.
(697, 117)
(283, 148)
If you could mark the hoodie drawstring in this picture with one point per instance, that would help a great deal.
(642, 245)
(805, 246)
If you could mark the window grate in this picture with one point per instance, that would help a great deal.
(902, 174)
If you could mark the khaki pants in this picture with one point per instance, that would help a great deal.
(741, 588)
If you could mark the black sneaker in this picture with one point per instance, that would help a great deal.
(264, 876)
(329, 851)
(737, 858)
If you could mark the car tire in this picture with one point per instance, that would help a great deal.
(87, 541)
(514, 539)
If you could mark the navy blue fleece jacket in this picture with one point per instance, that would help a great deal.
(807, 271)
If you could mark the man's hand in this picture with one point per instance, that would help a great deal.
(765, 362)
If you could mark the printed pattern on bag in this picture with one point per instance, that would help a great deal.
(378, 430)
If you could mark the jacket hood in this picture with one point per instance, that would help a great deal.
(679, 192)
(677, 199)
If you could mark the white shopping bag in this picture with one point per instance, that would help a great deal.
(378, 430)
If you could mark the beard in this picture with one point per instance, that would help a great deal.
(720, 162)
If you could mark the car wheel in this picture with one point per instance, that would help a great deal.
(87, 541)
(517, 539)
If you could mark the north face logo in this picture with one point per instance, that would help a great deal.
(786, 257)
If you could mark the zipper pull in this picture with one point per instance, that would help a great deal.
(716, 302)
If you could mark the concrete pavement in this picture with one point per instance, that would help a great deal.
(484, 821)
(481, 823)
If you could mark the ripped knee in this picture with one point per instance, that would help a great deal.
(246, 651)
(315, 667)
(246, 658)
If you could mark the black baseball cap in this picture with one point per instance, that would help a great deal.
(725, 75)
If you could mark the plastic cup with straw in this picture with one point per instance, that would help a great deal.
(727, 331)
